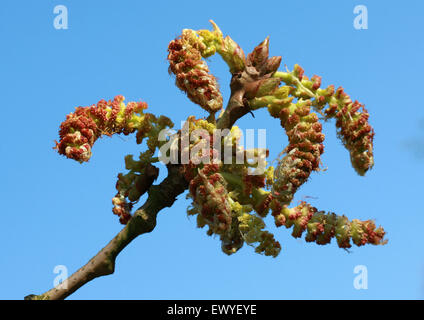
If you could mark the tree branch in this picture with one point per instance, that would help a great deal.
(143, 221)
(244, 84)
(236, 107)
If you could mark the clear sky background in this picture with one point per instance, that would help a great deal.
(55, 211)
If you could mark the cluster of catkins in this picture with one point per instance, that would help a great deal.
(351, 116)
(133, 185)
(228, 199)
(84, 126)
(192, 73)
(221, 191)
(232, 198)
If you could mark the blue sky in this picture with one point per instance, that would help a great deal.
(58, 212)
